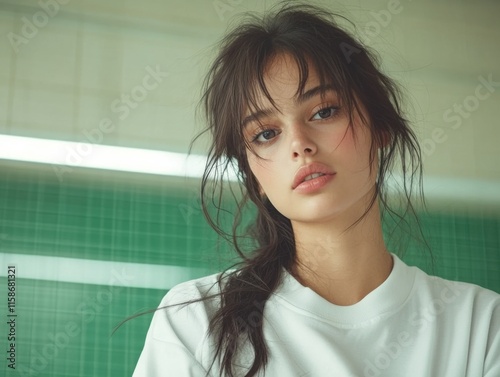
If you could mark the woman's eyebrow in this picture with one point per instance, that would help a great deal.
(303, 97)
(256, 116)
(320, 89)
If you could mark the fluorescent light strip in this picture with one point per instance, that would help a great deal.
(86, 271)
(67, 154)
(462, 190)
(454, 190)
(88, 155)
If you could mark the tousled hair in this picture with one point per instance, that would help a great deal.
(314, 39)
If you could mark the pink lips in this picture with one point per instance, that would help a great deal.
(300, 184)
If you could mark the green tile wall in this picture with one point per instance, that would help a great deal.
(113, 218)
(64, 329)
(103, 220)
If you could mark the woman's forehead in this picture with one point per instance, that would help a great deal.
(283, 79)
(287, 72)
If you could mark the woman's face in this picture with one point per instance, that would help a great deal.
(308, 134)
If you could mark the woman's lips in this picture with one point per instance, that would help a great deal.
(315, 184)
(309, 169)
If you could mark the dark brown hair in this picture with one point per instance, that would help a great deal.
(311, 36)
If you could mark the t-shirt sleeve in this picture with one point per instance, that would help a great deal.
(172, 346)
(167, 359)
(492, 360)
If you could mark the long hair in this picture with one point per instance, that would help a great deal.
(314, 39)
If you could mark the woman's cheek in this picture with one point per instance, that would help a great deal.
(343, 141)
(260, 169)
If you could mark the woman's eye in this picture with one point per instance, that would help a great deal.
(264, 136)
(325, 113)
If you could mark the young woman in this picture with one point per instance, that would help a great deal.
(314, 128)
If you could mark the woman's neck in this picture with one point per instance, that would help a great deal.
(342, 266)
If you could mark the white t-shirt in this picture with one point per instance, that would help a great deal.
(413, 325)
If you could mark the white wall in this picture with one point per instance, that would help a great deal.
(62, 81)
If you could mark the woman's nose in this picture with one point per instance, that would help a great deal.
(302, 142)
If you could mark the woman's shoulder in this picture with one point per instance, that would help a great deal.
(178, 331)
(196, 295)
(184, 313)
(200, 296)
(194, 288)
(442, 291)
